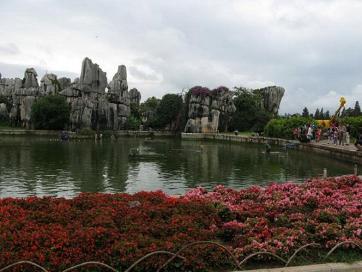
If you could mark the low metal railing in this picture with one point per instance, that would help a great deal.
(237, 264)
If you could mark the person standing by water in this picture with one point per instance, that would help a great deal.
(335, 135)
(318, 135)
(358, 142)
(310, 132)
(348, 131)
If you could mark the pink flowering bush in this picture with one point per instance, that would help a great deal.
(282, 217)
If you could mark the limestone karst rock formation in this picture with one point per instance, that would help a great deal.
(4, 114)
(208, 111)
(135, 96)
(49, 84)
(211, 111)
(30, 79)
(91, 106)
(98, 104)
(92, 78)
(271, 96)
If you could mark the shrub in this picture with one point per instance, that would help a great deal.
(283, 127)
(50, 112)
(355, 124)
(168, 110)
(118, 229)
(133, 123)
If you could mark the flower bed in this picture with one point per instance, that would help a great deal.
(117, 229)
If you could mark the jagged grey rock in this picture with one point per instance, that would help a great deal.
(92, 78)
(49, 84)
(64, 82)
(135, 96)
(209, 111)
(4, 114)
(271, 96)
(30, 78)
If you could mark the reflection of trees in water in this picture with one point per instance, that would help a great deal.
(103, 166)
(86, 166)
(38, 163)
(239, 165)
(15, 159)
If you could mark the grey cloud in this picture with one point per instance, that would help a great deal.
(15, 70)
(309, 47)
(9, 48)
(139, 74)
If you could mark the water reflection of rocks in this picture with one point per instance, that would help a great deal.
(41, 166)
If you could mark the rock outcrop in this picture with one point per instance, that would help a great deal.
(208, 111)
(271, 98)
(30, 79)
(92, 78)
(135, 96)
(49, 84)
(91, 106)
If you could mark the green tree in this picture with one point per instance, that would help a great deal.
(321, 114)
(357, 109)
(133, 123)
(327, 115)
(249, 114)
(168, 110)
(317, 114)
(305, 112)
(50, 112)
(149, 105)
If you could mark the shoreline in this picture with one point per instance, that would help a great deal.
(74, 135)
(332, 151)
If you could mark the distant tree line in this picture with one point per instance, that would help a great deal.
(319, 114)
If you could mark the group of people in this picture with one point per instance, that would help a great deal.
(307, 133)
(338, 134)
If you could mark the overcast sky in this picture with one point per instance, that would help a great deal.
(311, 48)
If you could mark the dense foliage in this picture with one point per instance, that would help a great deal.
(283, 127)
(355, 124)
(50, 112)
(117, 229)
(159, 114)
(249, 114)
(168, 110)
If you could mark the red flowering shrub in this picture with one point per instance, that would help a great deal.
(117, 229)
(282, 217)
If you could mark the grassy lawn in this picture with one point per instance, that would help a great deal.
(242, 133)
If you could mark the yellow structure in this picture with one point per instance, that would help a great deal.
(327, 123)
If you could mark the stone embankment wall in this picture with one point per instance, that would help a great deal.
(73, 135)
(331, 151)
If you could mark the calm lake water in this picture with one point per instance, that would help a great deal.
(40, 166)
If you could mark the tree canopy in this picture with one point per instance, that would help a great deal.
(50, 112)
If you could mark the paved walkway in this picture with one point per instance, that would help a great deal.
(349, 147)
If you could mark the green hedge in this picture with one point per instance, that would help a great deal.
(355, 124)
(283, 127)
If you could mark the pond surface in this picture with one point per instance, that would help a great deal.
(41, 166)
